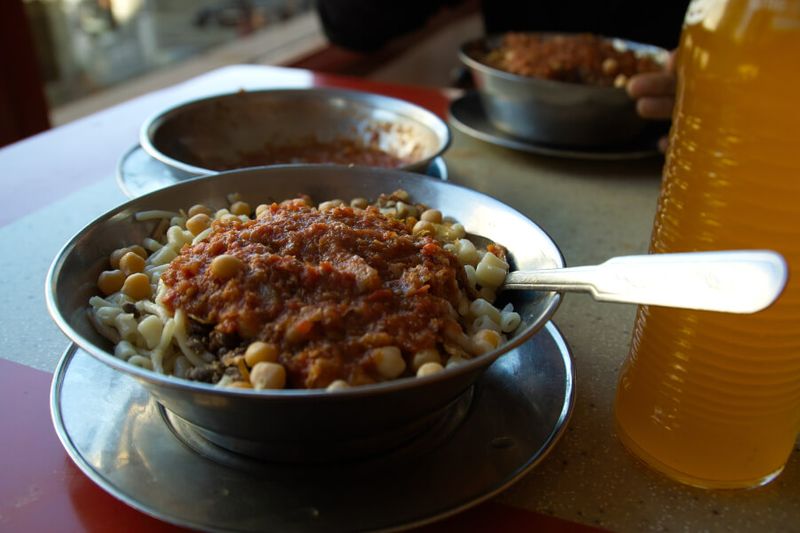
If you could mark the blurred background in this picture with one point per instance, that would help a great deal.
(85, 46)
(70, 58)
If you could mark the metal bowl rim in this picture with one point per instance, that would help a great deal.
(439, 126)
(164, 380)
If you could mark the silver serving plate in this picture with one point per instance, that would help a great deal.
(495, 433)
(554, 112)
(302, 425)
(225, 126)
(466, 114)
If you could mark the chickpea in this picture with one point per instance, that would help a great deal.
(266, 375)
(110, 281)
(116, 255)
(338, 384)
(198, 209)
(486, 340)
(226, 266)
(388, 361)
(259, 352)
(198, 223)
(401, 194)
(138, 250)
(432, 215)
(405, 210)
(360, 203)
(260, 209)
(423, 226)
(137, 286)
(457, 231)
(131, 263)
(240, 208)
(429, 369)
(424, 356)
(330, 204)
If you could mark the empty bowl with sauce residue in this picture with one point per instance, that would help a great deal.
(294, 126)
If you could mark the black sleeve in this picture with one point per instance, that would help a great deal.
(656, 22)
(367, 25)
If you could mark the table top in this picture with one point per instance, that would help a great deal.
(58, 181)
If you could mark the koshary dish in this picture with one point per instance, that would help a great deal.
(292, 294)
(302, 424)
(559, 101)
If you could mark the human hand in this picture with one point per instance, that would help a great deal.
(654, 93)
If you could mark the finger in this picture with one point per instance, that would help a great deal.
(651, 84)
(663, 144)
(671, 62)
(657, 108)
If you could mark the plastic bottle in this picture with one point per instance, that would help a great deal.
(713, 399)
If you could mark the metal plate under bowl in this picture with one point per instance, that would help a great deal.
(151, 460)
(467, 115)
(139, 173)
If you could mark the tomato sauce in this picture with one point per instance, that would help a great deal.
(338, 151)
(581, 58)
(324, 286)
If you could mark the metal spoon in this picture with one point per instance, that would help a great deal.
(732, 281)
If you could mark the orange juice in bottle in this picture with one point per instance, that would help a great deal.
(713, 399)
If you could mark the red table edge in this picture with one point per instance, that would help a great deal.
(35, 187)
(41, 486)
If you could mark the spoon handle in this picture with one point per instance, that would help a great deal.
(733, 281)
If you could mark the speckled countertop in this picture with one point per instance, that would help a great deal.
(596, 210)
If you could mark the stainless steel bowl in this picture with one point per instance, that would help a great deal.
(224, 127)
(554, 112)
(301, 425)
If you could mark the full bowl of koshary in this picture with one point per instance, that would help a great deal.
(384, 404)
(561, 89)
(293, 126)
